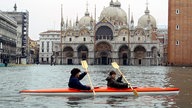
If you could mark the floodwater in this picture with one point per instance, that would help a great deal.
(16, 78)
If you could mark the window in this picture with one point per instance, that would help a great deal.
(42, 44)
(47, 46)
(123, 38)
(177, 27)
(177, 11)
(70, 39)
(177, 42)
(84, 39)
(42, 50)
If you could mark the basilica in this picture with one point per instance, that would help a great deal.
(114, 37)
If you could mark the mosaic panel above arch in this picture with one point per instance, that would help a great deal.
(68, 48)
(123, 32)
(139, 52)
(84, 32)
(103, 46)
(69, 32)
(68, 51)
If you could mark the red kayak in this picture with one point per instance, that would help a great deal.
(106, 91)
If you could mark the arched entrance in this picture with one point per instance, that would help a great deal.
(68, 54)
(103, 53)
(124, 55)
(139, 55)
(82, 52)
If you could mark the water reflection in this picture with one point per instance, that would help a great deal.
(115, 101)
(77, 101)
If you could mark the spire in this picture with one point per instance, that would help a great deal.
(95, 14)
(67, 23)
(15, 7)
(87, 12)
(77, 19)
(129, 14)
(77, 22)
(62, 22)
(132, 21)
(147, 10)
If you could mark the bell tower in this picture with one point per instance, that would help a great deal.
(179, 32)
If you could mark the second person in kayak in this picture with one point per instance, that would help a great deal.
(115, 83)
(74, 81)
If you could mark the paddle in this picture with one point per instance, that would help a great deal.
(116, 66)
(85, 66)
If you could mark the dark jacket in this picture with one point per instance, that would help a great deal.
(116, 83)
(75, 83)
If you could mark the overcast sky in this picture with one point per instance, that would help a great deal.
(45, 14)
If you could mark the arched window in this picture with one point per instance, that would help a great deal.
(104, 32)
(177, 27)
(177, 11)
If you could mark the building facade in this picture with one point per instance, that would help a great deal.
(33, 51)
(8, 37)
(22, 19)
(114, 37)
(46, 41)
(179, 32)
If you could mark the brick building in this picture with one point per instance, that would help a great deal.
(179, 32)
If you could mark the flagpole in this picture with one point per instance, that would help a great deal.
(61, 47)
(94, 60)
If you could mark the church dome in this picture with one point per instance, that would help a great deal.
(85, 20)
(114, 12)
(146, 20)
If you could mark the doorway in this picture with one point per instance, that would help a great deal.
(124, 61)
(104, 61)
(139, 61)
(69, 61)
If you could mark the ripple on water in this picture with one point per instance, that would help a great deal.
(14, 79)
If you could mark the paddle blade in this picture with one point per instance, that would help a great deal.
(115, 65)
(84, 64)
(135, 92)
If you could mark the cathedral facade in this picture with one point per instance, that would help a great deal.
(114, 37)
